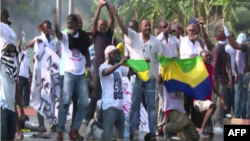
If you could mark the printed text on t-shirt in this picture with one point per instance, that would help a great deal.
(118, 93)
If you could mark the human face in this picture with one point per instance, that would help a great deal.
(113, 56)
(207, 57)
(192, 32)
(47, 26)
(71, 26)
(161, 27)
(145, 27)
(79, 22)
(24, 48)
(132, 26)
(102, 25)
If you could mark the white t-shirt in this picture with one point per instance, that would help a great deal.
(173, 101)
(112, 93)
(230, 50)
(188, 48)
(140, 50)
(24, 64)
(74, 60)
(7, 35)
(50, 44)
(62, 61)
(169, 49)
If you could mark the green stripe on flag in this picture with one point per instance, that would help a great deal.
(137, 65)
(186, 65)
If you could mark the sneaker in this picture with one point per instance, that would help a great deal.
(203, 135)
(229, 116)
(42, 129)
(89, 129)
(218, 130)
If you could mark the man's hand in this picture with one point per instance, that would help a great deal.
(224, 104)
(102, 3)
(201, 20)
(236, 79)
(226, 31)
(167, 29)
(114, 10)
(21, 36)
(41, 27)
(124, 59)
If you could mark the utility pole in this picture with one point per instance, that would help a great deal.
(194, 8)
(71, 6)
(58, 11)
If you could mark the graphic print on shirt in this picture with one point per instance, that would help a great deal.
(75, 53)
(178, 95)
(118, 92)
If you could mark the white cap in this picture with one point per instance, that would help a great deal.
(109, 49)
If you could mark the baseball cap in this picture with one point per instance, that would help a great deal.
(193, 20)
(109, 49)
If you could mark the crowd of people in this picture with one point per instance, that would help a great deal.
(92, 62)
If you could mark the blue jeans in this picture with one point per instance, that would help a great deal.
(8, 124)
(149, 92)
(219, 113)
(246, 80)
(238, 99)
(230, 101)
(78, 85)
(112, 117)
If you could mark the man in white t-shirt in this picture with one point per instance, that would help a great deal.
(111, 74)
(47, 38)
(75, 44)
(24, 75)
(230, 102)
(145, 46)
(191, 46)
(8, 79)
(170, 45)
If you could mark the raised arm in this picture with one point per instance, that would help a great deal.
(112, 19)
(233, 43)
(203, 34)
(20, 43)
(96, 18)
(58, 32)
(231, 40)
(120, 23)
(110, 70)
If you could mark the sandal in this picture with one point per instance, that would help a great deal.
(18, 136)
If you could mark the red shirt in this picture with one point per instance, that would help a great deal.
(210, 71)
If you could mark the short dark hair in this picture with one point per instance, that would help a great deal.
(46, 22)
(72, 17)
(134, 22)
(5, 13)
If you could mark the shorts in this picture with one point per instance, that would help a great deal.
(202, 105)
